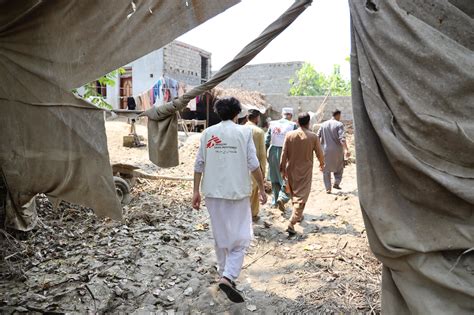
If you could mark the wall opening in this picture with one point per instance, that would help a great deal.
(126, 88)
(204, 69)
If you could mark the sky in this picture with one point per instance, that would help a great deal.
(320, 35)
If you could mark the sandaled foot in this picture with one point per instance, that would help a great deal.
(281, 206)
(228, 287)
(328, 191)
(336, 186)
(291, 230)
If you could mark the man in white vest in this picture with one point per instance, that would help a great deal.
(274, 142)
(224, 162)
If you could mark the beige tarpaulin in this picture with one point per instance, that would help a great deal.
(52, 142)
(413, 99)
(163, 120)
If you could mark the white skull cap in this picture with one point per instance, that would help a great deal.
(287, 110)
(243, 113)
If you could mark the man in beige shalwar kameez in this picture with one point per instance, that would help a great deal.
(297, 166)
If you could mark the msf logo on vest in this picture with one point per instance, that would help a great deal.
(213, 141)
(276, 131)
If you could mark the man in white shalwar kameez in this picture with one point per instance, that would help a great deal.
(225, 159)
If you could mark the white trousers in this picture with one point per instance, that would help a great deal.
(230, 262)
(231, 222)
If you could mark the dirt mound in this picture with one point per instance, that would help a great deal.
(248, 99)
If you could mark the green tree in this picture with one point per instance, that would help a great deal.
(90, 89)
(309, 82)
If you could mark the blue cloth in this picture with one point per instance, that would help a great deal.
(156, 91)
(173, 88)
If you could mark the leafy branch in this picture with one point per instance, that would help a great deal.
(90, 89)
(309, 82)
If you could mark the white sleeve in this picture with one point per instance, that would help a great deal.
(200, 162)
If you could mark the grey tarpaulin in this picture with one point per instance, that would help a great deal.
(52, 142)
(163, 120)
(413, 97)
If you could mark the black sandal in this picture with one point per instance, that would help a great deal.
(291, 230)
(231, 291)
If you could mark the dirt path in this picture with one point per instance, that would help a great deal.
(161, 257)
(326, 267)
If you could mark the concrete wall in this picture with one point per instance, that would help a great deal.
(310, 103)
(182, 62)
(268, 78)
(146, 71)
(113, 94)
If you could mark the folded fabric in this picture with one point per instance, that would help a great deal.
(192, 105)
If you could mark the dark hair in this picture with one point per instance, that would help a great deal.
(242, 120)
(336, 112)
(227, 108)
(303, 119)
(253, 113)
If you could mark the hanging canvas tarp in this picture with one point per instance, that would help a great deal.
(52, 142)
(413, 101)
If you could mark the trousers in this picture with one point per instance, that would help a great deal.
(327, 178)
(230, 262)
(255, 200)
(231, 223)
(297, 215)
(279, 193)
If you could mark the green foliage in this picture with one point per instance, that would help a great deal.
(90, 89)
(309, 82)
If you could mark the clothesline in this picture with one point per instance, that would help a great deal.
(164, 90)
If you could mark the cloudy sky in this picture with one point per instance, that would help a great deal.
(321, 35)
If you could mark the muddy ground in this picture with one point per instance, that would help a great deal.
(160, 258)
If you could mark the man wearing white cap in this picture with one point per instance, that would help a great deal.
(274, 142)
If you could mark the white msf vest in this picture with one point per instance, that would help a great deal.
(226, 173)
(279, 129)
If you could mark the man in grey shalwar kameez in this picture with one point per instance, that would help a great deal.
(333, 140)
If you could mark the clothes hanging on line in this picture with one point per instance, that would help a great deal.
(182, 89)
(192, 105)
(163, 91)
(138, 102)
(131, 105)
(156, 91)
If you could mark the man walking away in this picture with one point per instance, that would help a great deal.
(274, 142)
(297, 166)
(224, 161)
(259, 141)
(333, 139)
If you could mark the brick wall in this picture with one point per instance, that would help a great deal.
(182, 62)
(310, 103)
(266, 78)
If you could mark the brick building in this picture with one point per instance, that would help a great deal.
(177, 60)
(266, 78)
